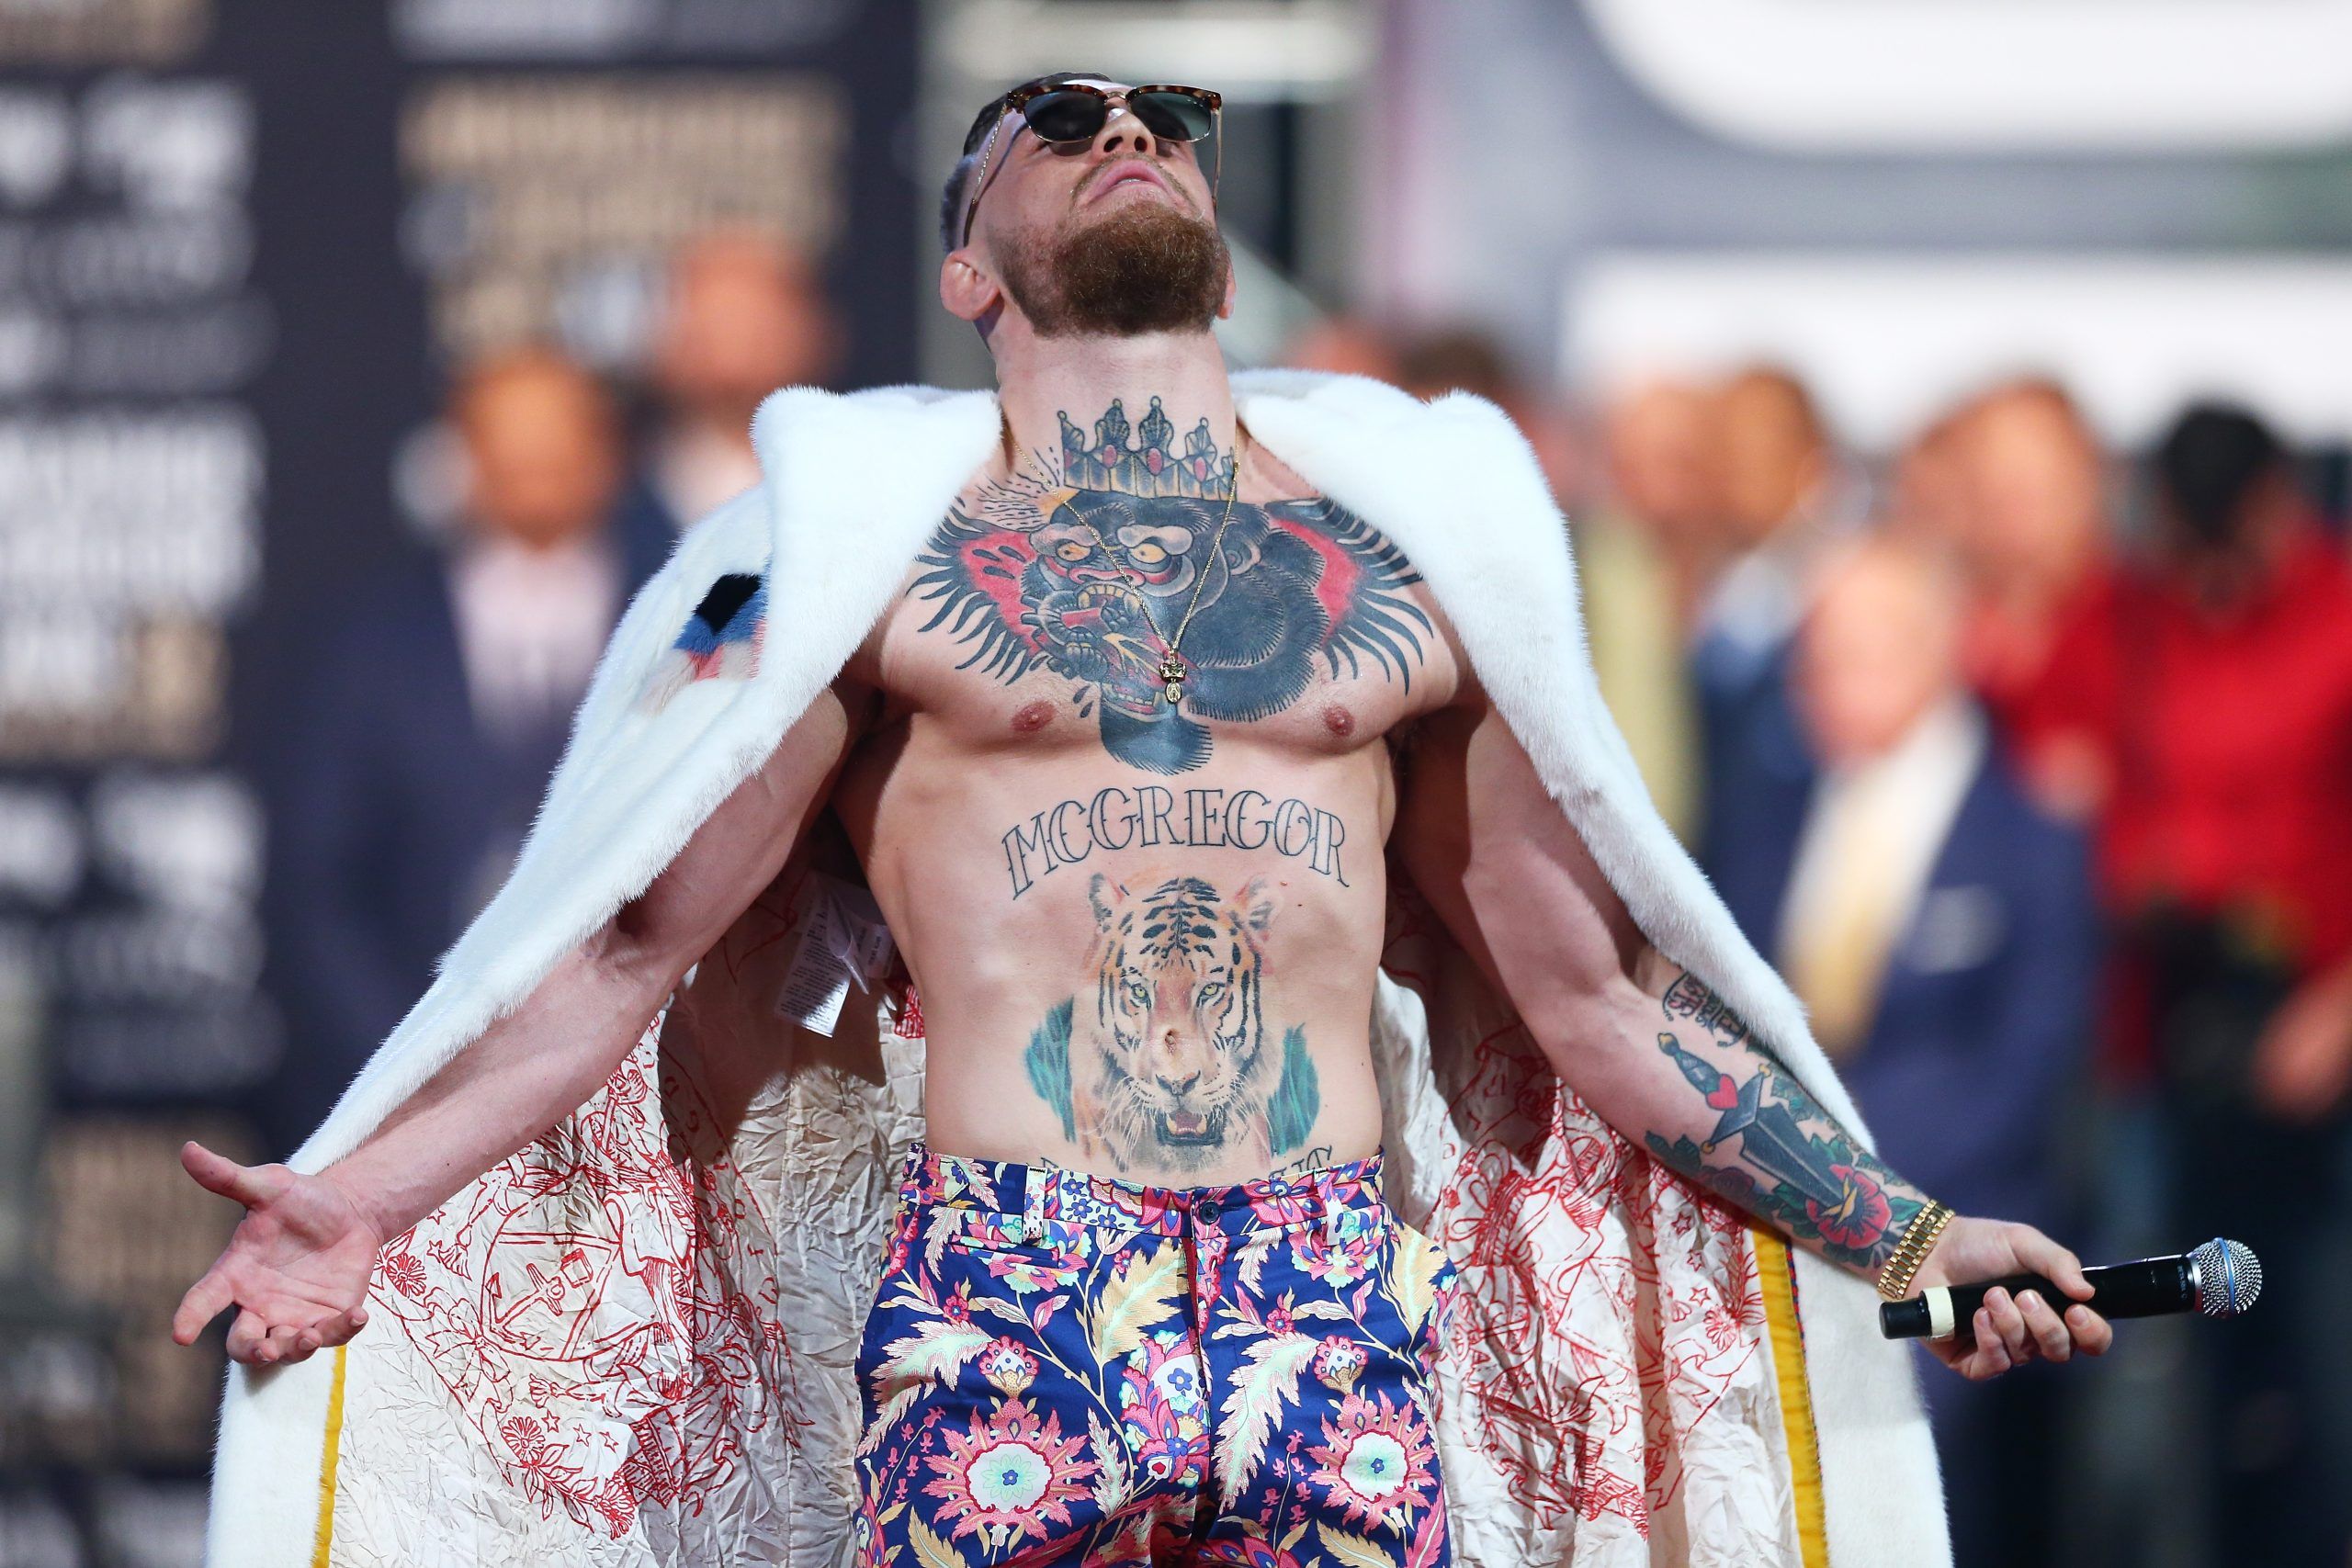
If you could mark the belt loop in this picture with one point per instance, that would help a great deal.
(911, 1173)
(1033, 1184)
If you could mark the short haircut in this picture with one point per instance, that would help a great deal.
(2207, 465)
(1779, 381)
(957, 191)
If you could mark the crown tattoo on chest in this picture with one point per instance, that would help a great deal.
(1131, 569)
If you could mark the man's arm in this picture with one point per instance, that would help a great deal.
(1658, 1055)
(300, 1261)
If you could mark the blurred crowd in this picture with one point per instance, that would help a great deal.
(406, 771)
(2027, 761)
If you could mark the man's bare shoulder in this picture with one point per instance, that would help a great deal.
(1449, 682)
(1449, 710)
(865, 678)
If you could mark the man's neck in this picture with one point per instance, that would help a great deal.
(1052, 386)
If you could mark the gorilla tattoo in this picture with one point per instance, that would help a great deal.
(1034, 581)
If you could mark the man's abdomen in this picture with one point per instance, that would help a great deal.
(1168, 1019)
(1167, 979)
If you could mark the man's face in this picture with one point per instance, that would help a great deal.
(744, 316)
(2036, 489)
(1664, 457)
(1879, 648)
(542, 451)
(1771, 456)
(1113, 236)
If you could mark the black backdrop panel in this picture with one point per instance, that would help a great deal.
(242, 242)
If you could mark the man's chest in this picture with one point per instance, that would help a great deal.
(1146, 628)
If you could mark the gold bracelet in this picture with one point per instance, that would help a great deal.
(1918, 1240)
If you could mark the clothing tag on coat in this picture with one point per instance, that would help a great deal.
(841, 941)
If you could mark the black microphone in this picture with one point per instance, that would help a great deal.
(2220, 1278)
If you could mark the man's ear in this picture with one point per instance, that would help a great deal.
(965, 288)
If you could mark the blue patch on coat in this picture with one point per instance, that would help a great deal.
(733, 608)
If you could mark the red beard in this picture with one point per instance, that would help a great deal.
(1149, 268)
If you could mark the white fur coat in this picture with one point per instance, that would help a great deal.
(630, 1344)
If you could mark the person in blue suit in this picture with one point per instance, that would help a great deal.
(430, 713)
(1943, 932)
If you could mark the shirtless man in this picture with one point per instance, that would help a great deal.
(1136, 867)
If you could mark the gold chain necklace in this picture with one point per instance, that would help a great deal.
(1172, 672)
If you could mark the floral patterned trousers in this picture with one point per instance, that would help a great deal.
(1071, 1369)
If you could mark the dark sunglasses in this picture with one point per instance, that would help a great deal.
(1077, 111)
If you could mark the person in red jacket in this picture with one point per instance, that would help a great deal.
(2211, 688)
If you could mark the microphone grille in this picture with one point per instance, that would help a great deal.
(2229, 1278)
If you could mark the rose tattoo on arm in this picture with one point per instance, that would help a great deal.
(1770, 1147)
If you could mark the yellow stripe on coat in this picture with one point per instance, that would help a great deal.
(1776, 1270)
(324, 1548)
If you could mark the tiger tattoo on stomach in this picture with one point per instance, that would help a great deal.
(1167, 1060)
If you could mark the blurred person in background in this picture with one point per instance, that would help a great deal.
(1942, 932)
(1646, 538)
(1344, 344)
(2213, 685)
(1927, 483)
(1459, 359)
(1784, 495)
(1644, 552)
(1432, 362)
(745, 314)
(2029, 515)
(422, 739)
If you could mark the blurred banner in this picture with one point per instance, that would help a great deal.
(1903, 204)
(241, 243)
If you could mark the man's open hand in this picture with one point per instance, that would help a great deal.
(298, 1263)
(2011, 1332)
